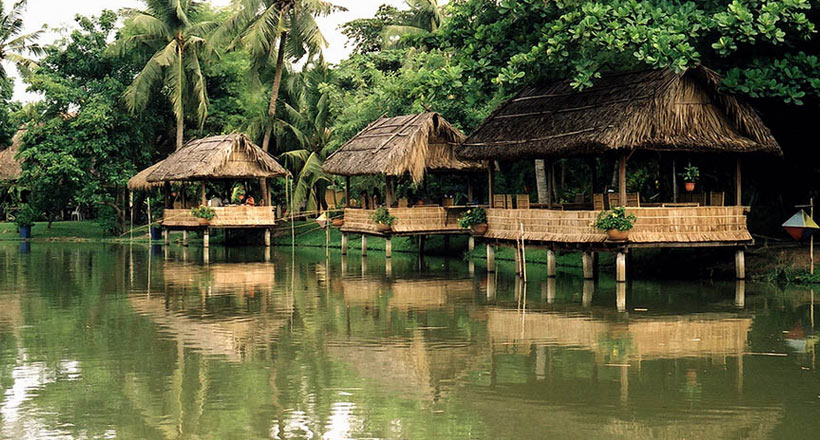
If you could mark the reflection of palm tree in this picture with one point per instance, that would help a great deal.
(308, 121)
(14, 43)
(424, 17)
(169, 30)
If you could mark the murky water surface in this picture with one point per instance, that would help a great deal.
(103, 341)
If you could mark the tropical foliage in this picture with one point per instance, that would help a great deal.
(382, 216)
(14, 44)
(472, 217)
(617, 218)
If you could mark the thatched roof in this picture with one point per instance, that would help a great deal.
(232, 156)
(404, 144)
(10, 166)
(140, 183)
(649, 110)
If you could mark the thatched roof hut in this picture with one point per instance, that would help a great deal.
(232, 156)
(10, 166)
(411, 144)
(650, 110)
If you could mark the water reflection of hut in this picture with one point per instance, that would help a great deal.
(231, 338)
(407, 293)
(220, 278)
(700, 335)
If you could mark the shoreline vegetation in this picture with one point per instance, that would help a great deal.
(775, 264)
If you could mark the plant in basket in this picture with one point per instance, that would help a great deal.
(690, 175)
(617, 223)
(384, 221)
(204, 214)
(475, 219)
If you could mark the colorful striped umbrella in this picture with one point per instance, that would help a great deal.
(800, 226)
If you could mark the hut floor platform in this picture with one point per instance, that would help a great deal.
(702, 226)
(226, 217)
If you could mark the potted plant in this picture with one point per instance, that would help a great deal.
(690, 176)
(384, 221)
(203, 214)
(475, 219)
(238, 194)
(617, 223)
(25, 218)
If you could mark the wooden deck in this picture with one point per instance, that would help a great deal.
(226, 217)
(655, 227)
(422, 220)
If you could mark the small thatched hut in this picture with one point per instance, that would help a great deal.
(232, 156)
(10, 166)
(412, 144)
(650, 110)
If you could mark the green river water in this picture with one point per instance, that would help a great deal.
(112, 341)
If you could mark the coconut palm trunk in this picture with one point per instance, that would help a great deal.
(274, 96)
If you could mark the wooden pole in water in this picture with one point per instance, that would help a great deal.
(388, 247)
(589, 272)
(471, 243)
(620, 267)
(740, 264)
(550, 263)
(344, 243)
(364, 245)
(523, 254)
(327, 237)
(490, 258)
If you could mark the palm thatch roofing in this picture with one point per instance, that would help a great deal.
(657, 110)
(10, 166)
(140, 181)
(411, 144)
(232, 156)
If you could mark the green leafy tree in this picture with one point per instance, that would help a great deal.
(14, 44)
(259, 26)
(309, 121)
(83, 144)
(424, 17)
(171, 32)
(366, 35)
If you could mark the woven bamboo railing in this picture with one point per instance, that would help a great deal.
(226, 217)
(706, 224)
(431, 219)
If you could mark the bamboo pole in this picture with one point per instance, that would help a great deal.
(523, 254)
(811, 239)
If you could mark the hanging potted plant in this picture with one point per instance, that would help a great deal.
(238, 194)
(474, 219)
(690, 175)
(25, 218)
(203, 214)
(384, 221)
(617, 223)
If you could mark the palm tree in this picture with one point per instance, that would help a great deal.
(13, 43)
(168, 29)
(423, 17)
(308, 120)
(260, 26)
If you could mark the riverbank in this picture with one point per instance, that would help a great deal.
(785, 263)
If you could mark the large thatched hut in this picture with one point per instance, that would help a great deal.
(673, 115)
(10, 165)
(410, 144)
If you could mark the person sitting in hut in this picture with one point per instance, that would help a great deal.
(250, 201)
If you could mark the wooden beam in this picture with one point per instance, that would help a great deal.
(347, 191)
(204, 201)
(622, 180)
(738, 192)
(167, 190)
(491, 182)
(548, 166)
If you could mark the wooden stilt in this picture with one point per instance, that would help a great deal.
(517, 256)
(490, 258)
(344, 243)
(206, 255)
(267, 237)
(551, 290)
(203, 196)
(388, 267)
(421, 244)
(550, 263)
(620, 267)
(589, 271)
(740, 293)
(471, 243)
(166, 236)
(388, 247)
(586, 293)
(620, 296)
(364, 245)
(740, 264)
(548, 166)
(185, 238)
(206, 238)
(595, 256)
